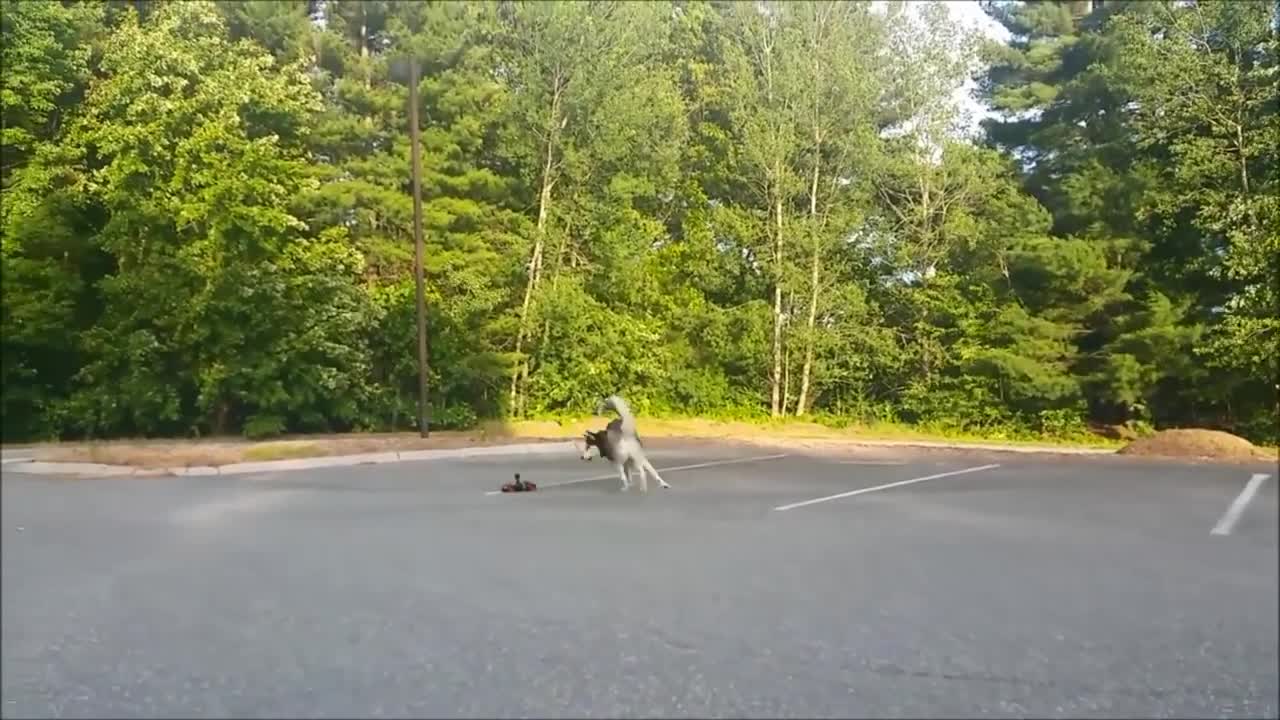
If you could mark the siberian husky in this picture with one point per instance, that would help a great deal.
(620, 444)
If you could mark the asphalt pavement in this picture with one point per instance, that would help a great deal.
(919, 584)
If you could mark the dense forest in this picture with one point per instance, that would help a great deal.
(724, 209)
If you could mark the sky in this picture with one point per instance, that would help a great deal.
(969, 12)
(966, 12)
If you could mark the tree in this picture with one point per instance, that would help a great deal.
(191, 151)
(764, 111)
(563, 62)
(729, 209)
(1097, 107)
(47, 265)
(843, 72)
(1204, 80)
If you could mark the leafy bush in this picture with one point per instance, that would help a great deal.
(455, 417)
(259, 427)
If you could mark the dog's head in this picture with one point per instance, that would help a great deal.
(592, 441)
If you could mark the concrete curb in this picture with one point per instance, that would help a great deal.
(36, 467)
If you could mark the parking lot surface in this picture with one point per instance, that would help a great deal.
(765, 583)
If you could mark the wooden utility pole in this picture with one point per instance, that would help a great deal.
(415, 153)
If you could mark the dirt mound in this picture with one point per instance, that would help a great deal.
(1195, 443)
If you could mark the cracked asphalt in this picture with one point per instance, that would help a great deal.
(1044, 587)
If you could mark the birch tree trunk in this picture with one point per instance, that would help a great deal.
(815, 266)
(554, 125)
(776, 381)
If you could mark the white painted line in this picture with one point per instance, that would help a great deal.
(1232, 515)
(695, 466)
(900, 483)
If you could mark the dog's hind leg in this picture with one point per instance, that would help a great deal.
(649, 466)
(644, 477)
(622, 473)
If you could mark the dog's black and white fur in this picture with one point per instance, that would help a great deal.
(620, 444)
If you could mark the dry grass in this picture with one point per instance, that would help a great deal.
(282, 451)
(185, 453)
(148, 455)
(779, 430)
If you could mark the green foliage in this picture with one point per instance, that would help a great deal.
(733, 210)
(1155, 149)
(261, 427)
(46, 63)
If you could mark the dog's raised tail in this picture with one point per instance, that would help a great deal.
(624, 411)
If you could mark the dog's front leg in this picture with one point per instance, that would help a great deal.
(622, 473)
(644, 478)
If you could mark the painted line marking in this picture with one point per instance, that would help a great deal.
(1233, 513)
(886, 486)
(695, 466)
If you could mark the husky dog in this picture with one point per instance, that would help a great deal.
(620, 444)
